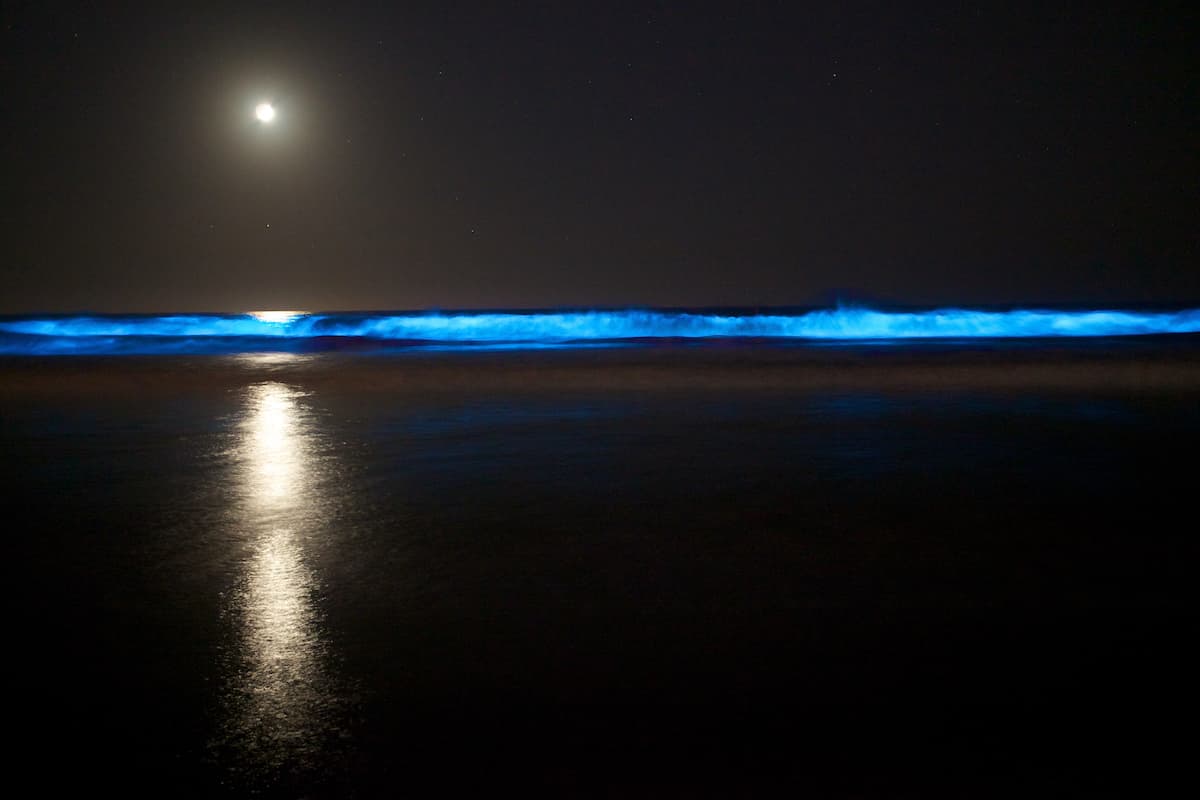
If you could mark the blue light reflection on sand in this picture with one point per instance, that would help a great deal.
(234, 333)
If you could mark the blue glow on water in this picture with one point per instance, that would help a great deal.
(295, 331)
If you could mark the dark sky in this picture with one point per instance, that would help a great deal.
(461, 155)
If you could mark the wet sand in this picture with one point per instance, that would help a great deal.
(1148, 363)
(678, 571)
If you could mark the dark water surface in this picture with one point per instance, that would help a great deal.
(639, 572)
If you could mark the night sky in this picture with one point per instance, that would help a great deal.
(456, 155)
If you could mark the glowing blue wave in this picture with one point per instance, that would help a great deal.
(210, 333)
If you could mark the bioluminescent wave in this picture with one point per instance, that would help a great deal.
(291, 331)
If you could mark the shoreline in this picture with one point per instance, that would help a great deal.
(1124, 367)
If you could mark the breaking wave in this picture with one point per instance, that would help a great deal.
(276, 331)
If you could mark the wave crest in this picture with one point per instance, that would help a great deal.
(241, 332)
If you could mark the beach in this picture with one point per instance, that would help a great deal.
(669, 570)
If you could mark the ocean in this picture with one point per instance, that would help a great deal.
(645, 564)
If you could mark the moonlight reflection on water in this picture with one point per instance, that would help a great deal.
(280, 699)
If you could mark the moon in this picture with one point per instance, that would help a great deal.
(265, 112)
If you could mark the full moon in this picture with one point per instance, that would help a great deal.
(265, 112)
